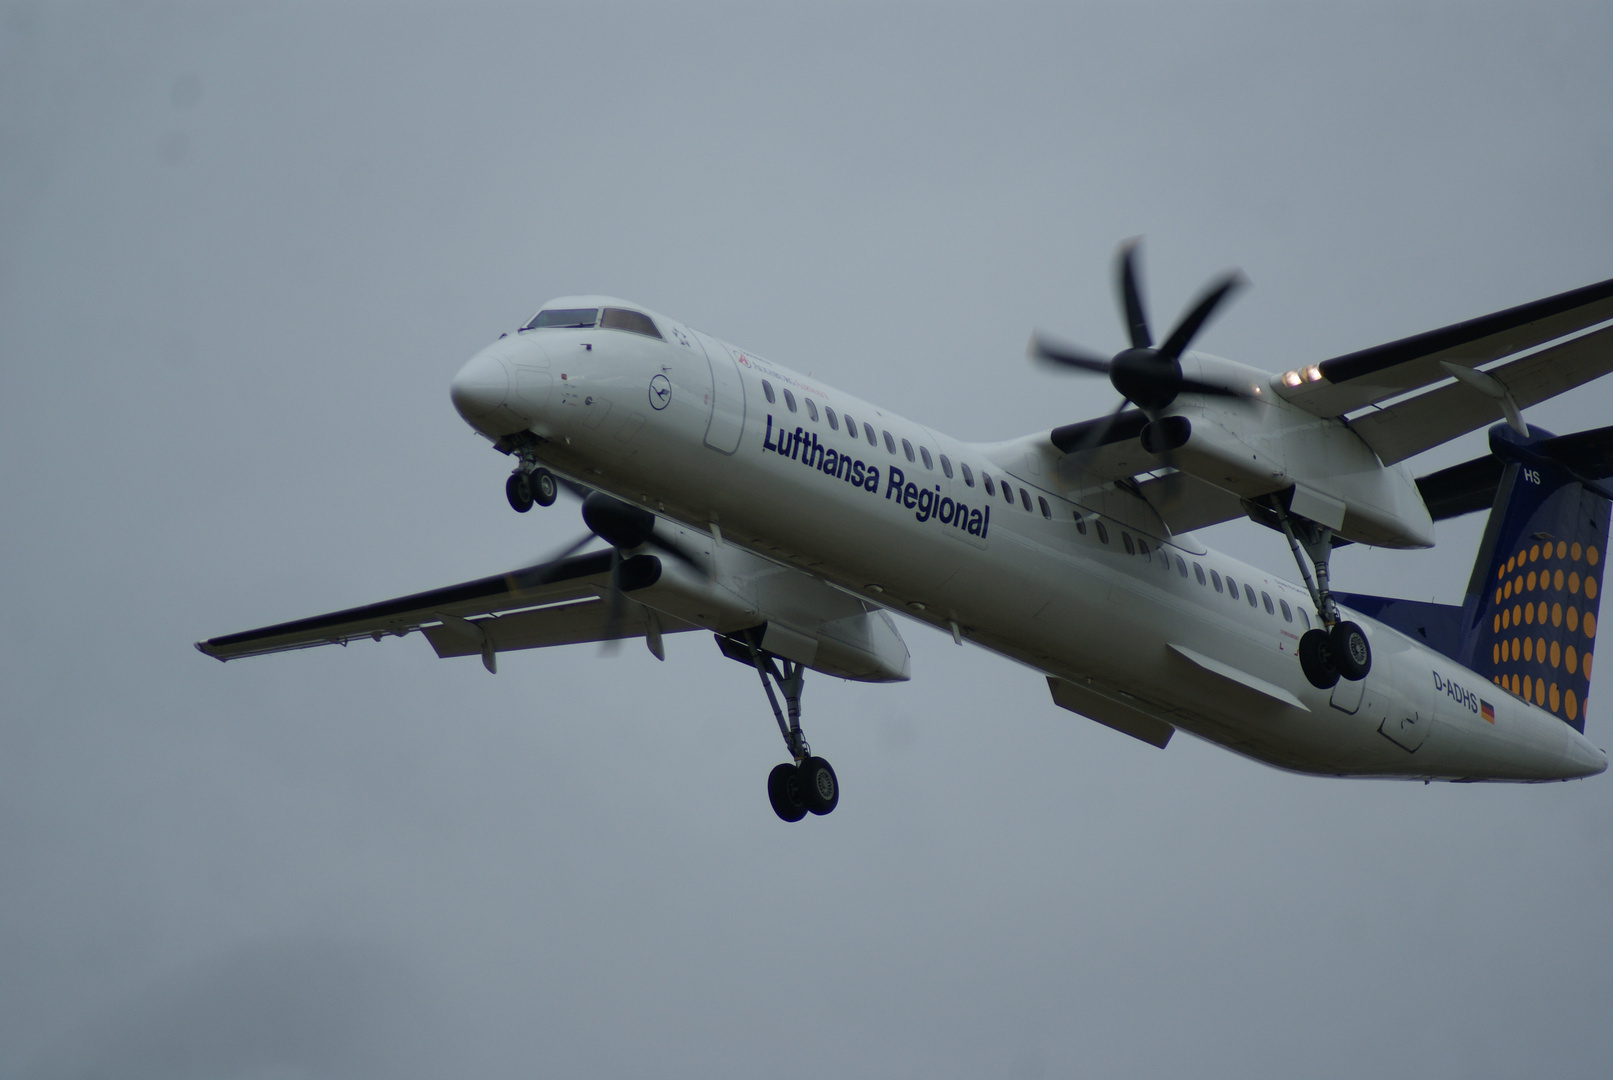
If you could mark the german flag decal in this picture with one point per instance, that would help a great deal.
(1486, 711)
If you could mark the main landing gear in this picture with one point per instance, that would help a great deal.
(528, 485)
(808, 784)
(1338, 648)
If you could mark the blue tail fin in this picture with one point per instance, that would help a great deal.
(1528, 622)
(1529, 619)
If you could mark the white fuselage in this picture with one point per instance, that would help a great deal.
(685, 427)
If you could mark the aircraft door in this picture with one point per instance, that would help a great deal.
(727, 397)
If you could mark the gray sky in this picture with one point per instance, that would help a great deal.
(243, 249)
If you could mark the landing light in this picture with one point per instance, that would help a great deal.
(1290, 378)
(1313, 374)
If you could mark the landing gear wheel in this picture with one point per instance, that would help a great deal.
(543, 487)
(786, 793)
(819, 785)
(1351, 653)
(1316, 658)
(519, 492)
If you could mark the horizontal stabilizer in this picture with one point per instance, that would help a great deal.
(1462, 489)
(1472, 485)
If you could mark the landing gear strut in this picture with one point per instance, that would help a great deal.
(1337, 648)
(808, 785)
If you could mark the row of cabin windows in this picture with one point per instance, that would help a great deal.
(923, 453)
(1133, 547)
(1178, 565)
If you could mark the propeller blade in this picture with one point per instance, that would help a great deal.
(1195, 319)
(549, 565)
(1067, 356)
(1193, 386)
(1097, 435)
(616, 604)
(1131, 296)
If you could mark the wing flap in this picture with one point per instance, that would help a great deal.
(1409, 427)
(569, 622)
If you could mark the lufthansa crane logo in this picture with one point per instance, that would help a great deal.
(660, 392)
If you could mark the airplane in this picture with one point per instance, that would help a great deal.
(792, 521)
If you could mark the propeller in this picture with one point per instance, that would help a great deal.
(625, 528)
(1146, 376)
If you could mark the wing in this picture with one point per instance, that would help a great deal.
(556, 604)
(1359, 379)
(1409, 427)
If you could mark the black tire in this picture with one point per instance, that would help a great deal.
(1316, 658)
(820, 788)
(784, 791)
(1352, 655)
(544, 487)
(519, 492)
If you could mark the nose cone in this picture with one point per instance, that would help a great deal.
(480, 389)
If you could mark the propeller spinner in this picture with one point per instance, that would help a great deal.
(1146, 376)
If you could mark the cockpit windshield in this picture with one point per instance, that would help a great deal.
(634, 322)
(625, 319)
(568, 318)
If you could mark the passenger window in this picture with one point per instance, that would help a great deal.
(851, 426)
(767, 389)
(1216, 579)
(812, 408)
(990, 490)
(1288, 613)
(1305, 618)
(946, 467)
(1181, 566)
(633, 321)
(1103, 534)
(868, 430)
(1125, 538)
(1232, 588)
(1249, 594)
(1142, 549)
(1198, 572)
(834, 421)
(907, 448)
(789, 399)
(1080, 524)
(890, 443)
(1008, 494)
(968, 477)
(1025, 497)
(924, 452)
(1047, 511)
(1265, 598)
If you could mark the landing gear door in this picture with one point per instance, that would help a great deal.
(727, 397)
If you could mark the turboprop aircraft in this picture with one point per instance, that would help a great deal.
(792, 520)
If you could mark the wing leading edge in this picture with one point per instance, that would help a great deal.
(1359, 379)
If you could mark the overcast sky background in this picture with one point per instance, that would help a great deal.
(243, 248)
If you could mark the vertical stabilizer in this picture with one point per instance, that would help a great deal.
(1529, 619)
